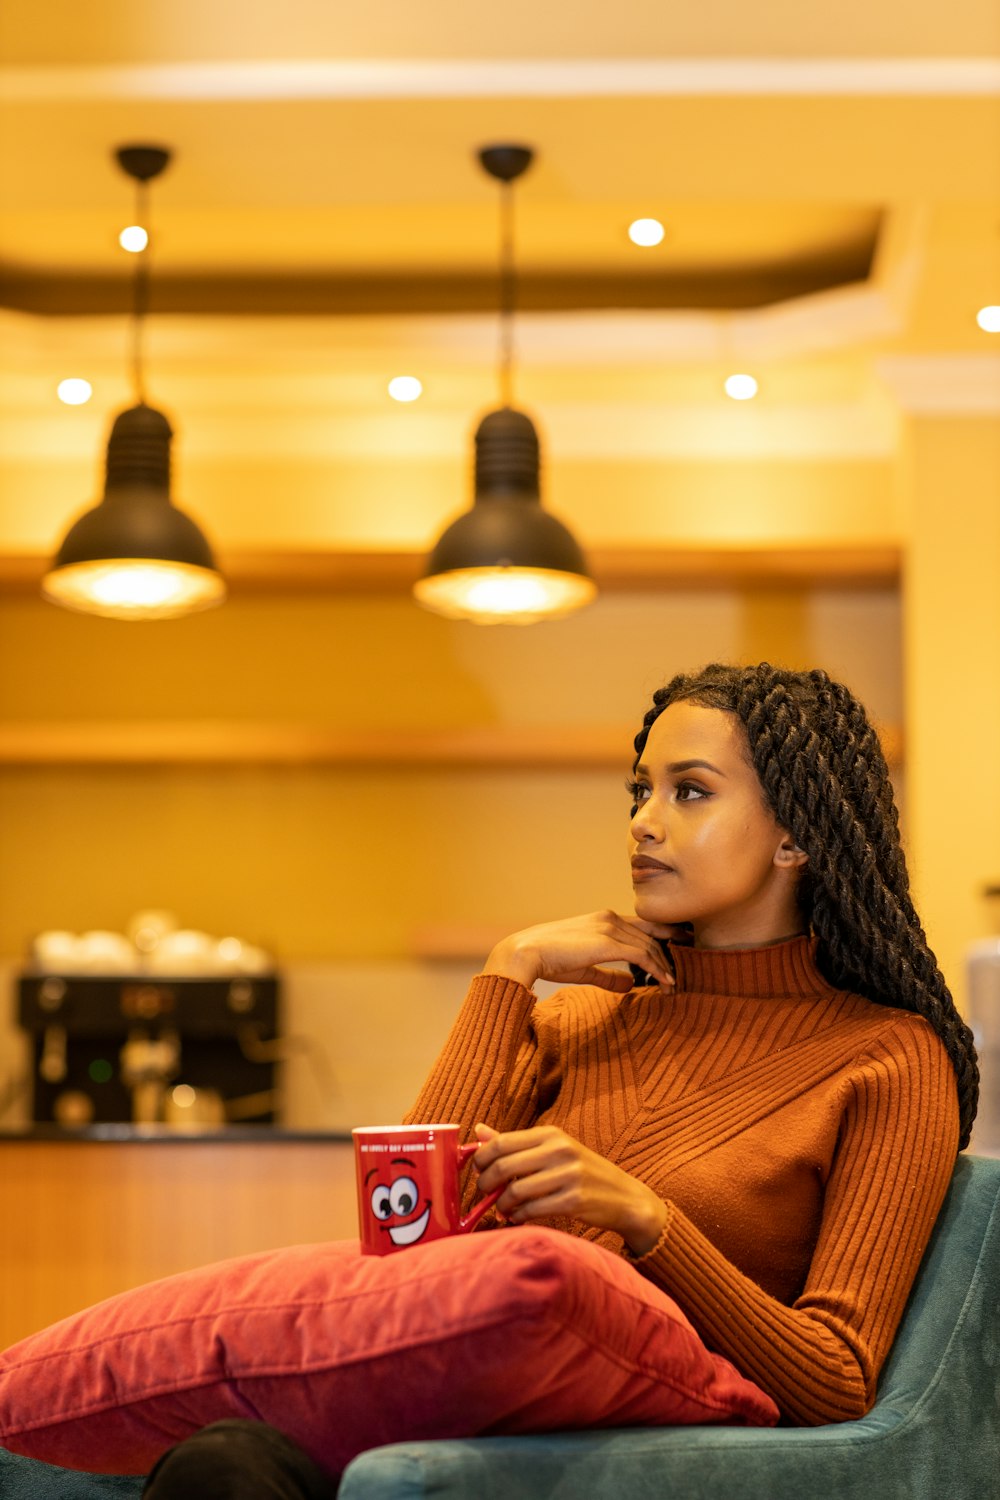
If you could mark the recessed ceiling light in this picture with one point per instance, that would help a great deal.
(646, 232)
(741, 387)
(988, 319)
(405, 388)
(74, 392)
(133, 238)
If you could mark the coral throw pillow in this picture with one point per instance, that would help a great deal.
(513, 1331)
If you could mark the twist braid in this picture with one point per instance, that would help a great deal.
(825, 779)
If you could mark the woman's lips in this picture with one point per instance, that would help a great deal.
(644, 868)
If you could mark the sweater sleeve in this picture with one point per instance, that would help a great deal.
(488, 1067)
(820, 1357)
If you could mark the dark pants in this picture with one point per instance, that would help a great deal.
(238, 1461)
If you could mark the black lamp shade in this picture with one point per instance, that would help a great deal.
(507, 527)
(137, 524)
(506, 532)
(506, 536)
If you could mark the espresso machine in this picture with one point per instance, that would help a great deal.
(193, 1050)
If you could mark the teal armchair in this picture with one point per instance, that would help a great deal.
(933, 1433)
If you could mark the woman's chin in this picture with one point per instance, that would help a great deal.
(649, 909)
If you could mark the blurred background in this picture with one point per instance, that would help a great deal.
(371, 794)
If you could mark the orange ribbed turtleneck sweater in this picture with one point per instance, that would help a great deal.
(801, 1137)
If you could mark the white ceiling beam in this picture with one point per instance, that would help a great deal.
(923, 77)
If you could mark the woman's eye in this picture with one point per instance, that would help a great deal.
(638, 794)
(689, 792)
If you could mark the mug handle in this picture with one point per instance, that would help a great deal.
(472, 1218)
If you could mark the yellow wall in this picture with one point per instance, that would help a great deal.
(302, 501)
(952, 640)
(335, 862)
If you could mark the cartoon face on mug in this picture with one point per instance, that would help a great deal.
(400, 1205)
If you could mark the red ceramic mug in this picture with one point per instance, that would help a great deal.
(408, 1185)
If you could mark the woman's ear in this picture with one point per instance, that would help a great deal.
(788, 855)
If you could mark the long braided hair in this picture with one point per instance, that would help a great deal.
(826, 781)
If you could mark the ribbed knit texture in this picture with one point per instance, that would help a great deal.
(801, 1137)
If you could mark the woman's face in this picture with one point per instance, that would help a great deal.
(704, 847)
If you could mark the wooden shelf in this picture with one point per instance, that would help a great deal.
(615, 569)
(204, 742)
(235, 742)
(861, 567)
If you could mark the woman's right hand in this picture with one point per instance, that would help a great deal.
(572, 951)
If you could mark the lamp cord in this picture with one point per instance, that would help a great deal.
(140, 296)
(508, 293)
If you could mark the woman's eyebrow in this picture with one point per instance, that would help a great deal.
(677, 766)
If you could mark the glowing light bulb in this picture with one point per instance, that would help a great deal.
(646, 232)
(74, 392)
(134, 589)
(495, 596)
(988, 319)
(147, 587)
(405, 388)
(741, 387)
(134, 238)
(513, 594)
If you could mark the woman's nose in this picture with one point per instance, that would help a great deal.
(643, 825)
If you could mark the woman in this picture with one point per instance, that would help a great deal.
(766, 1123)
(769, 1127)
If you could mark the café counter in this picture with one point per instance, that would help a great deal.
(90, 1212)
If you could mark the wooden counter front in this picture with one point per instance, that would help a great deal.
(82, 1219)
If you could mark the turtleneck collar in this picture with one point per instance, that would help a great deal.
(781, 971)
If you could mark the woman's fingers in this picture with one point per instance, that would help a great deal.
(531, 1185)
(525, 1165)
(525, 1154)
(556, 1205)
(504, 1143)
(537, 1197)
(500, 1147)
(576, 951)
(606, 979)
(543, 1172)
(554, 1177)
(642, 940)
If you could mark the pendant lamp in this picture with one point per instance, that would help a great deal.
(135, 556)
(506, 560)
